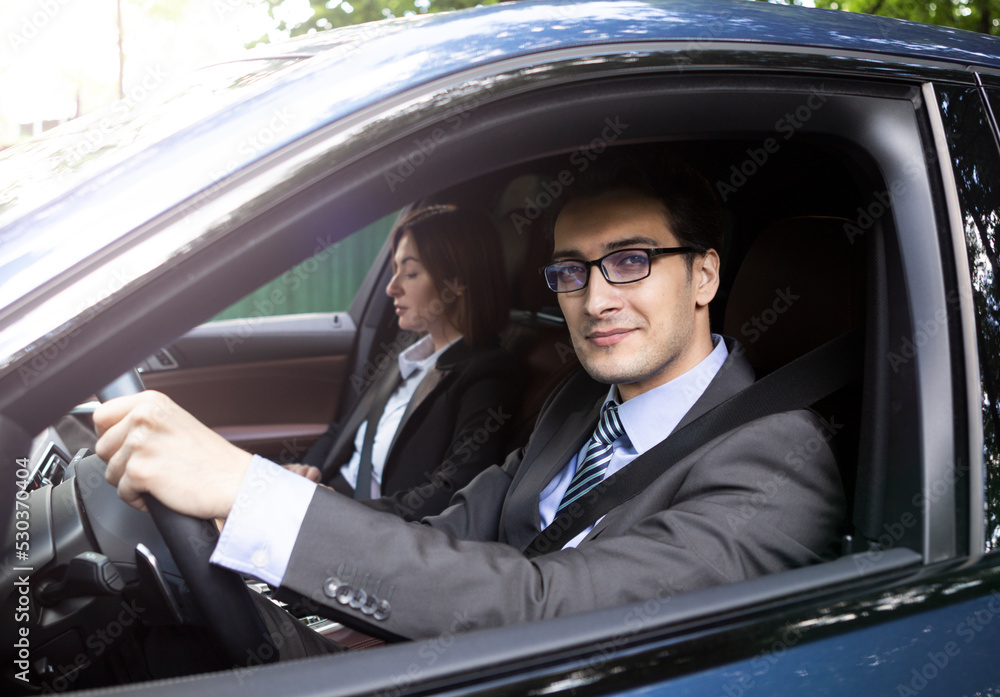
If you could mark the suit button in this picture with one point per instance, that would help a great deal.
(382, 611)
(344, 594)
(358, 598)
(330, 587)
(370, 605)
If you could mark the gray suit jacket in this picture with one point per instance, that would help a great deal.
(760, 499)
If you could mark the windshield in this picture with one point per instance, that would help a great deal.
(42, 169)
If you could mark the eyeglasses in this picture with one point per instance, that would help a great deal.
(622, 266)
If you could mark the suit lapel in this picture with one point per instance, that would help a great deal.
(547, 459)
(435, 381)
(343, 447)
(554, 455)
(424, 390)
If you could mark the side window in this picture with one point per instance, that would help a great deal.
(325, 282)
(976, 163)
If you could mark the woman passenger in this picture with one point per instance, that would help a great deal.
(443, 409)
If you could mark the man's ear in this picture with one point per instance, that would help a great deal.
(706, 277)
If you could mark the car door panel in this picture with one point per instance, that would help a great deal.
(269, 385)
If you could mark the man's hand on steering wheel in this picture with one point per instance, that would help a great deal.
(150, 444)
(192, 475)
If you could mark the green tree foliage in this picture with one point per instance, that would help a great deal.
(979, 192)
(974, 15)
(340, 13)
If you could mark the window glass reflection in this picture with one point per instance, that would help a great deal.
(976, 164)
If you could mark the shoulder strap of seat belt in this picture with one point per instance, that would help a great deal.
(796, 385)
(391, 380)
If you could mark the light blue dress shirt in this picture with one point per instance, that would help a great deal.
(260, 533)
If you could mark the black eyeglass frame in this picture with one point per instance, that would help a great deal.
(599, 263)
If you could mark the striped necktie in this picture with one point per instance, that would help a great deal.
(590, 472)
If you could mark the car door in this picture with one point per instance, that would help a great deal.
(872, 154)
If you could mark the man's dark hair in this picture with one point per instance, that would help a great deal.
(693, 212)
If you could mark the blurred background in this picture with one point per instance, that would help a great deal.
(60, 59)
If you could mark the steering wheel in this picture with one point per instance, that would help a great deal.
(221, 594)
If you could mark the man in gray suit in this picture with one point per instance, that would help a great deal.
(634, 268)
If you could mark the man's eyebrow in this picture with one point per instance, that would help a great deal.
(626, 243)
(637, 241)
(567, 254)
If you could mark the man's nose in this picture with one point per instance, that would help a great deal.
(601, 296)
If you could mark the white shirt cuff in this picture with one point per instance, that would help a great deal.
(261, 530)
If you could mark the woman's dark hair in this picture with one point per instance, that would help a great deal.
(460, 249)
(693, 211)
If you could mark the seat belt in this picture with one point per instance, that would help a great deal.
(796, 385)
(390, 381)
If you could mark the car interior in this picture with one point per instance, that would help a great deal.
(808, 257)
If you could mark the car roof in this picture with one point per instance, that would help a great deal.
(528, 27)
(82, 188)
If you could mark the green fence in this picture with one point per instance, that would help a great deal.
(326, 282)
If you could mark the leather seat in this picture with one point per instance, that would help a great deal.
(801, 284)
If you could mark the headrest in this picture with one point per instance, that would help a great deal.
(800, 285)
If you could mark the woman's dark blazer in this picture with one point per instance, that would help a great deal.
(455, 426)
